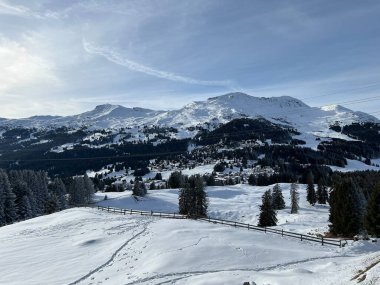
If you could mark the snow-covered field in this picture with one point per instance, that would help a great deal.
(355, 165)
(237, 203)
(85, 246)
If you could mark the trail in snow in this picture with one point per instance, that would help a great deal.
(257, 269)
(111, 259)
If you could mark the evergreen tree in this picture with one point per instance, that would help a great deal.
(89, 189)
(372, 218)
(322, 194)
(192, 198)
(184, 199)
(76, 191)
(52, 204)
(345, 217)
(31, 181)
(24, 208)
(139, 188)
(43, 193)
(210, 180)
(278, 202)
(9, 208)
(152, 186)
(251, 179)
(158, 176)
(22, 193)
(58, 188)
(294, 198)
(311, 196)
(176, 180)
(268, 216)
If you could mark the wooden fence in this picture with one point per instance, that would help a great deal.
(302, 237)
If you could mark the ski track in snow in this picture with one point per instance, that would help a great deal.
(112, 258)
(196, 273)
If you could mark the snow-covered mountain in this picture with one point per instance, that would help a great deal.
(285, 110)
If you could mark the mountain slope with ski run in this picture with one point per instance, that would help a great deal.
(311, 122)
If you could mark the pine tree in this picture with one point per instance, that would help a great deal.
(345, 216)
(311, 196)
(211, 180)
(184, 199)
(322, 194)
(268, 216)
(294, 198)
(43, 193)
(139, 188)
(192, 198)
(9, 198)
(58, 188)
(176, 180)
(2, 201)
(52, 204)
(278, 202)
(372, 218)
(89, 189)
(22, 193)
(76, 191)
(251, 179)
(201, 203)
(24, 209)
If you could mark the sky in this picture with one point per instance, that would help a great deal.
(65, 57)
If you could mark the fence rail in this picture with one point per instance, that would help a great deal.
(302, 237)
(142, 213)
(321, 240)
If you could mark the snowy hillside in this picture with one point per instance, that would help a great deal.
(284, 110)
(85, 246)
(235, 203)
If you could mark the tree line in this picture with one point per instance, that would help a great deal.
(26, 194)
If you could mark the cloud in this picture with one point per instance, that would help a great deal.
(6, 8)
(21, 68)
(23, 11)
(120, 59)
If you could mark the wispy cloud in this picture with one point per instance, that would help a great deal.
(6, 8)
(23, 11)
(118, 58)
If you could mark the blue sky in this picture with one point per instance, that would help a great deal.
(65, 57)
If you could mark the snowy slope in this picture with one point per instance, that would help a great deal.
(285, 110)
(236, 203)
(85, 246)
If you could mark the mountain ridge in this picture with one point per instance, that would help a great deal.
(219, 109)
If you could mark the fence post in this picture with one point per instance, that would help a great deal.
(108, 209)
(301, 237)
(322, 240)
(282, 232)
(265, 229)
(131, 211)
(235, 224)
(248, 226)
(340, 243)
(124, 211)
(151, 213)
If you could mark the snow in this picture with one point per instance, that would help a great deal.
(236, 203)
(87, 246)
(355, 165)
(310, 122)
(62, 148)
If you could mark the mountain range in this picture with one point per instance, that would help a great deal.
(283, 110)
